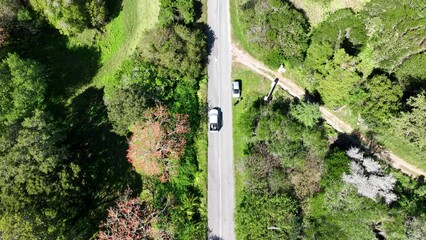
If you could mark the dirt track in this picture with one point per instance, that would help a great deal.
(395, 161)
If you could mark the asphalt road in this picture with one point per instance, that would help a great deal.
(221, 189)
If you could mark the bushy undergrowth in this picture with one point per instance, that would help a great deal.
(323, 194)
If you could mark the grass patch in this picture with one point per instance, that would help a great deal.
(404, 150)
(201, 142)
(121, 37)
(386, 139)
(237, 27)
(316, 11)
(254, 86)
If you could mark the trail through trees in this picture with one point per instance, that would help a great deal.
(288, 85)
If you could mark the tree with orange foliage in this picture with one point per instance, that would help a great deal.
(129, 219)
(158, 142)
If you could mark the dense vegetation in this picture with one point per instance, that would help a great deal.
(71, 17)
(66, 146)
(366, 65)
(275, 31)
(292, 184)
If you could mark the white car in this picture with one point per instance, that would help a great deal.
(214, 123)
(236, 91)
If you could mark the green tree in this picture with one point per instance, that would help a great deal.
(342, 29)
(318, 55)
(71, 17)
(97, 12)
(275, 30)
(177, 11)
(22, 88)
(339, 79)
(34, 179)
(382, 100)
(126, 106)
(306, 113)
(137, 86)
(178, 49)
(290, 140)
(411, 126)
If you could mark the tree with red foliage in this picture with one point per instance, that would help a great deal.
(129, 219)
(158, 142)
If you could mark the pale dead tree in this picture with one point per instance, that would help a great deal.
(354, 153)
(370, 165)
(369, 179)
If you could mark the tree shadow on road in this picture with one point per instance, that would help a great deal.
(211, 236)
(211, 38)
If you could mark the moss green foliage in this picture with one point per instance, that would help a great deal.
(368, 65)
(71, 17)
(339, 213)
(365, 64)
(178, 11)
(167, 70)
(262, 217)
(338, 79)
(282, 159)
(380, 100)
(411, 72)
(22, 88)
(277, 157)
(34, 178)
(174, 57)
(332, 58)
(62, 165)
(177, 48)
(395, 30)
(288, 139)
(306, 113)
(56, 179)
(137, 86)
(342, 29)
(275, 30)
(411, 125)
